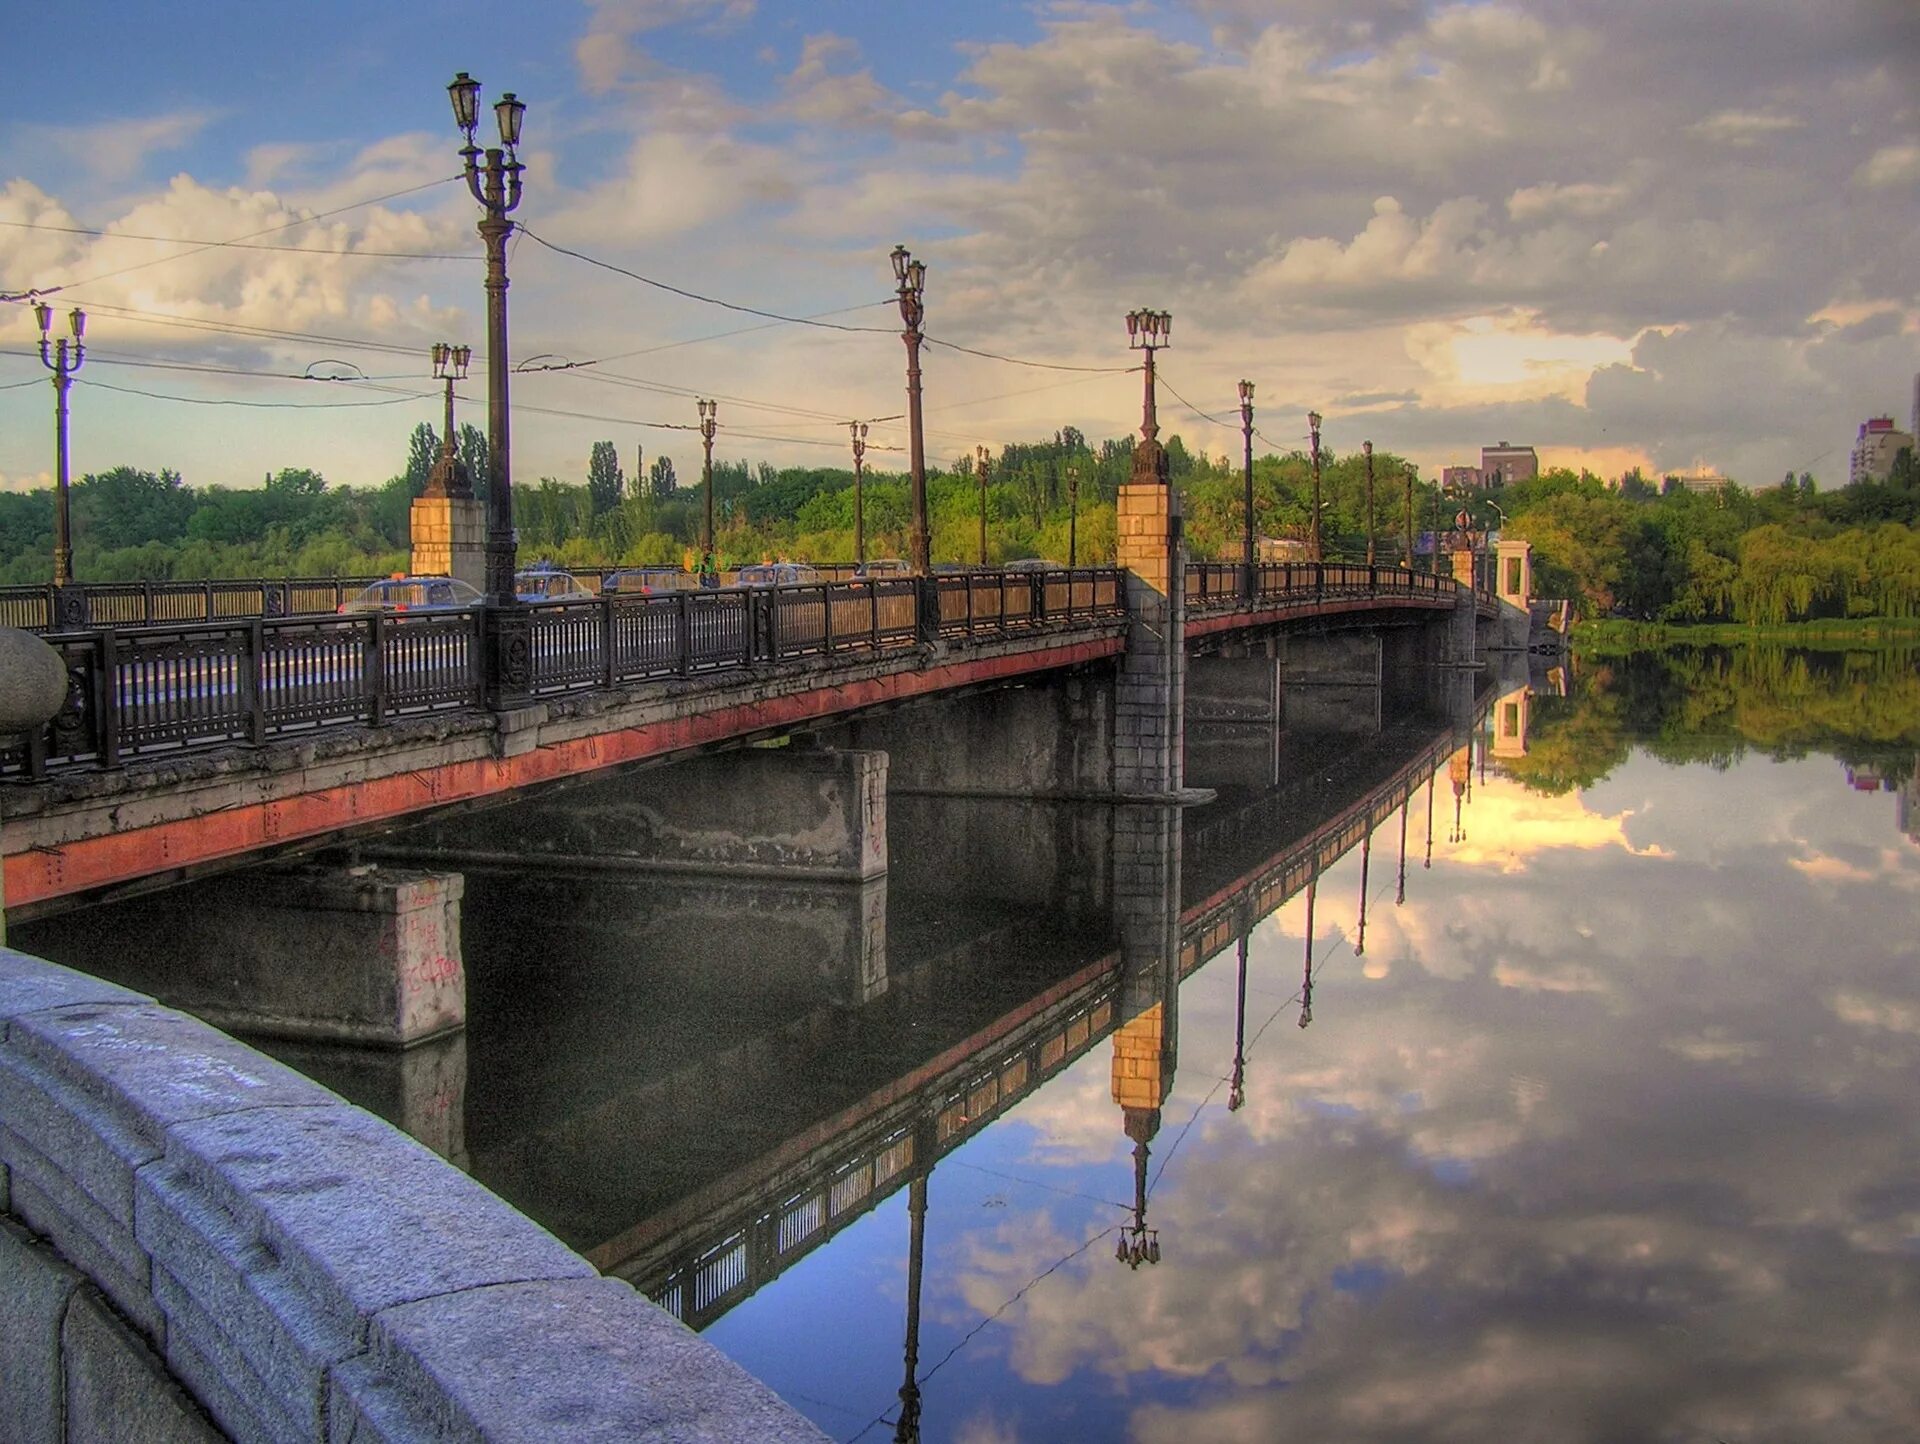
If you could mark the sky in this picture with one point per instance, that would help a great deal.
(1679, 234)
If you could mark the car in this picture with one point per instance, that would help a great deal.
(776, 574)
(549, 584)
(651, 581)
(413, 594)
(884, 567)
(1035, 564)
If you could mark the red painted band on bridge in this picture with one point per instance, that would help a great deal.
(101, 862)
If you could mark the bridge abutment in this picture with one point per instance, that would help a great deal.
(362, 955)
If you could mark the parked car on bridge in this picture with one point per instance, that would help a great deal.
(883, 567)
(550, 584)
(776, 574)
(1035, 564)
(413, 594)
(651, 581)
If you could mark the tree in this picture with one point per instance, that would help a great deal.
(660, 474)
(604, 479)
(474, 451)
(423, 449)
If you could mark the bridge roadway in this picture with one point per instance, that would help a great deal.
(190, 749)
(700, 1250)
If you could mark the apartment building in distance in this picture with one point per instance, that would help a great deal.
(1874, 452)
(1501, 465)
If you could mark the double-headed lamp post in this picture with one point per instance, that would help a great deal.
(450, 476)
(1246, 436)
(709, 411)
(495, 184)
(1366, 448)
(1313, 520)
(911, 278)
(1148, 331)
(56, 356)
(857, 431)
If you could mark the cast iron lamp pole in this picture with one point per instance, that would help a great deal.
(1246, 436)
(1366, 448)
(1148, 331)
(1409, 478)
(449, 477)
(62, 362)
(1313, 522)
(980, 470)
(857, 430)
(1073, 514)
(911, 277)
(495, 184)
(708, 424)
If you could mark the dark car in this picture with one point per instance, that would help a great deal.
(414, 594)
(776, 574)
(651, 581)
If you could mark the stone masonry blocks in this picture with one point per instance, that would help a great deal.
(116, 1390)
(35, 1290)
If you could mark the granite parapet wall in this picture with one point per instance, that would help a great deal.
(304, 1271)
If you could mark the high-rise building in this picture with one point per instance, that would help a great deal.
(1875, 449)
(1503, 465)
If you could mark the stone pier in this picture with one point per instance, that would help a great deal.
(1150, 701)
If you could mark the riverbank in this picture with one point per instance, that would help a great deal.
(1613, 636)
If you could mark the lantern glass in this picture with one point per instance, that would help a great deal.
(900, 258)
(44, 313)
(461, 356)
(508, 111)
(1246, 391)
(78, 320)
(917, 277)
(1166, 325)
(465, 91)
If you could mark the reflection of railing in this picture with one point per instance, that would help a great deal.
(761, 1238)
(701, 1271)
(214, 684)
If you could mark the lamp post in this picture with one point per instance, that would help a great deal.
(1409, 479)
(980, 471)
(708, 425)
(62, 361)
(1246, 437)
(1366, 449)
(911, 277)
(450, 476)
(1436, 531)
(1148, 331)
(857, 431)
(1313, 521)
(1073, 514)
(495, 184)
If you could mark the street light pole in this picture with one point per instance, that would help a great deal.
(449, 476)
(1148, 331)
(62, 362)
(1313, 521)
(911, 277)
(1073, 514)
(857, 430)
(1246, 437)
(495, 184)
(1366, 448)
(980, 470)
(1409, 478)
(708, 424)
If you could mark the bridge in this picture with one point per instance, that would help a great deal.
(191, 748)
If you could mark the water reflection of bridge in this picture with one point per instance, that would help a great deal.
(707, 1252)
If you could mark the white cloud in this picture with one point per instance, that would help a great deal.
(1890, 167)
(1743, 127)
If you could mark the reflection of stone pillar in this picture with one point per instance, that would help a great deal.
(420, 1090)
(365, 955)
(1147, 920)
(1510, 717)
(449, 535)
(1149, 701)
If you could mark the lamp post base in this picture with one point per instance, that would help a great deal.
(506, 656)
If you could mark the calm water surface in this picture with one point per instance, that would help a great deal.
(1608, 1133)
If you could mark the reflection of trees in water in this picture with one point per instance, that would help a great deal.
(1711, 704)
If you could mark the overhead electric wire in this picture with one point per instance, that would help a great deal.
(1017, 361)
(695, 295)
(259, 405)
(234, 241)
(1216, 421)
(201, 368)
(237, 245)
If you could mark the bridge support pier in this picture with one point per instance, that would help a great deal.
(1331, 682)
(799, 811)
(364, 955)
(1233, 711)
(1150, 701)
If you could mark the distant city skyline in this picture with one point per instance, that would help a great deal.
(1642, 247)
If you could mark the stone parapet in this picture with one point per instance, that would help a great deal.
(306, 1272)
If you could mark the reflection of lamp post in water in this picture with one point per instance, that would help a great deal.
(1306, 975)
(907, 1429)
(1400, 894)
(1139, 1244)
(1236, 1091)
(1460, 773)
(1366, 852)
(1428, 863)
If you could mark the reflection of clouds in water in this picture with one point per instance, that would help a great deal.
(1507, 827)
(1629, 1155)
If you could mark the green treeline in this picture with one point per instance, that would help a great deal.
(1780, 554)
(1712, 704)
